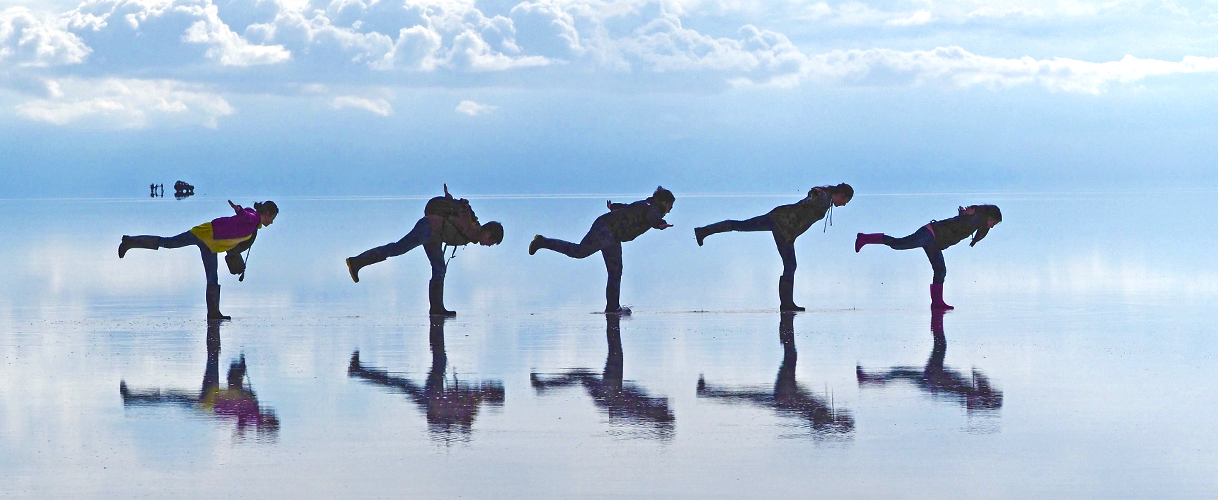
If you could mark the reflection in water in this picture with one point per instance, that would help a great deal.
(787, 397)
(237, 402)
(624, 403)
(973, 392)
(450, 408)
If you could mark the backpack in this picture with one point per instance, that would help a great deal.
(446, 207)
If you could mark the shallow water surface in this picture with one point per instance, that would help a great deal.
(1078, 364)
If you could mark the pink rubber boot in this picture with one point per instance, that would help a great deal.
(867, 239)
(936, 298)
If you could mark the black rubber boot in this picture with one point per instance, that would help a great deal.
(129, 242)
(435, 292)
(537, 244)
(354, 264)
(213, 304)
(702, 232)
(786, 294)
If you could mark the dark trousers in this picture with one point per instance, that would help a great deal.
(924, 239)
(786, 249)
(420, 235)
(599, 239)
(210, 263)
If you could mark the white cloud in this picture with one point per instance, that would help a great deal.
(472, 108)
(916, 19)
(27, 40)
(375, 106)
(228, 47)
(127, 103)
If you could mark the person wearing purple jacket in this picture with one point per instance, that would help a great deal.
(225, 234)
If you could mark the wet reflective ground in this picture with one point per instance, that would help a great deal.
(1080, 362)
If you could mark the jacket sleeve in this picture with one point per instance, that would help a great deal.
(982, 230)
(654, 218)
(245, 245)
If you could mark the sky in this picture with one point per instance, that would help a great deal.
(394, 97)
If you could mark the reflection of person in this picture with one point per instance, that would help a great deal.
(622, 402)
(449, 407)
(974, 392)
(787, 397)
(446, 220)
(237, 402)
(226, 234)
(623, 223)
(786, 223)
(936, 237)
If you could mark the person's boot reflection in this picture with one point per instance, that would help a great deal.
(237, 402)
(787, 397)
(450, 408)
(974, 392)
(624, 403)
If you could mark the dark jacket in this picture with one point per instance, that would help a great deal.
(629, 221)
(792, 220)
(951, 231)
(455, 230)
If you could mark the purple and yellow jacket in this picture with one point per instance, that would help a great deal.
(222, 234)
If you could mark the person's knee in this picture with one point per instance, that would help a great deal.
(940, 275)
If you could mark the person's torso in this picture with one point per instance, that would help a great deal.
(948, 232)
(794, 219)
(629, 222)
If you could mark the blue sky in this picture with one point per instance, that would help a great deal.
(395, 96)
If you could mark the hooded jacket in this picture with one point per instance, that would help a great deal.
(628, 222)
(951, 231)
(225, 233)
(792, 220)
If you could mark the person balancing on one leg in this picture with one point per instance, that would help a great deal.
(787, 222)
(623, 223)
(937, 236)
(446, 220)
(226, 234)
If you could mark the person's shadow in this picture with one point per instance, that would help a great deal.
(625, 404)
(236, 403)
(787, 397)
(450, 406)
(974, 391)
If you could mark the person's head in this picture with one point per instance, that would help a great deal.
(991, 212)
(492, 234)
(840, 194)
(664, 199)
(266, 211)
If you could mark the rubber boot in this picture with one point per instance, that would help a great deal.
(936, 298)
(702, 232)
(786, 295)
(129, 242)
(867, 239)
(537, 244)
(435, 292)
(213, 304)
(354, 264)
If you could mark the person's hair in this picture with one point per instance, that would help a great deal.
(990, 211)
(267, 207)
(842, 189)
(663, 195)
(496, 230)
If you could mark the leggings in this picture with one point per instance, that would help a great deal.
(600, 238)
(925, 239)
(209, 258)
(786, 249)
(420, 235)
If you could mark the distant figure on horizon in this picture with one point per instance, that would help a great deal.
(446, 220)
(937, 236)
(232, 234)
(623, 223)
(786, 223)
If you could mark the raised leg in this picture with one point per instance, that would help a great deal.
(419, 235)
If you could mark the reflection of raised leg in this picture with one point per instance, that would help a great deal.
(129, 242)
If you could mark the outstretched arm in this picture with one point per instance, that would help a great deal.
(980, 234)
(236, 208)
(446, 193)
